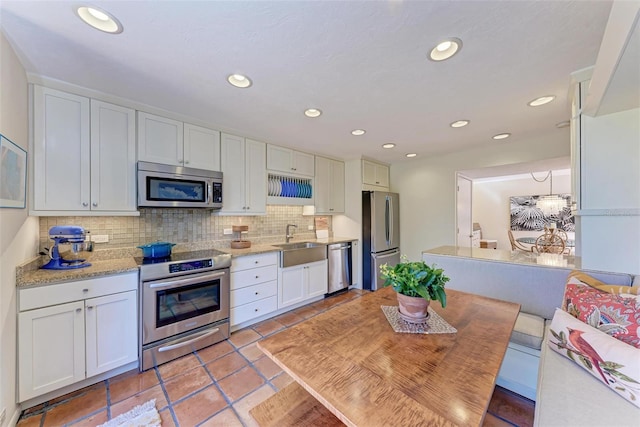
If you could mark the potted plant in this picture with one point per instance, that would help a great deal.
(416, 285)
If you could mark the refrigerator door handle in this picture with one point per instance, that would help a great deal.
(390, 221)
(387, 254)
(387, 204)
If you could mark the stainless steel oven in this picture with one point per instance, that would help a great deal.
(184, 304)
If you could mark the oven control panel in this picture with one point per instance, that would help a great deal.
(190, 265)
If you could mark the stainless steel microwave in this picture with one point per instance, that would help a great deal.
(166, 186)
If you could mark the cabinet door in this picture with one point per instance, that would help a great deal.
(51, 349)
(368, 173)
(111, 332)
(232, 165)
(201, 147)
(322, 185)
(303, 163)
(279, 159)
(382, 175)
(336, 184)
(256, 177)
(160, 140)
(113, 148)
(317, 282)
(375, 174)
(61, 151)
(292, 285)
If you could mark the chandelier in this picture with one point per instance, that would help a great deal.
(551, 204)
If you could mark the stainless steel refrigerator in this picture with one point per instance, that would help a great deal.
(380, 235)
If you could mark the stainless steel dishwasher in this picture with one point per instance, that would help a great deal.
(339, 256)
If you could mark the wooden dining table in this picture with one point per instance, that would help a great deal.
(350, 360)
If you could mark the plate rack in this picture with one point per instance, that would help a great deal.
(289, 190)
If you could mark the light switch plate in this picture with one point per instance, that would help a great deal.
(227, 231)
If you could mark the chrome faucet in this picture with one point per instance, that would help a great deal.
(289, 234)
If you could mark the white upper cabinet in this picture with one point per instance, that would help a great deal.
(289, 161)
(201, 147)
(329, 186)
(375, 174)
(160, 140)
(78, 144)
(113, 147)
(243, 164)
(171, 142)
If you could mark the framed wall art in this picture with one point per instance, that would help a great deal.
(13, 175)
(527, 216)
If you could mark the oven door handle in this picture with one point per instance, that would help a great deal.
(174, 283)
(189, 342)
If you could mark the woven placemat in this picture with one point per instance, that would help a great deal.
(434, 325)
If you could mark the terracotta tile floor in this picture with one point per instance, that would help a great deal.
(216, 386)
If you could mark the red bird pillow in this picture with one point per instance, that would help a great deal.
(612, 362)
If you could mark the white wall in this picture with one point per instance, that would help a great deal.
(18, 232)
(427, 185)
(490, 204)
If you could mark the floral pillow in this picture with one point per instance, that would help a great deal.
(609, 308)
(614, 363)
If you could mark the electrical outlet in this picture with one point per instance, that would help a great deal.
(227, 231)
(100, 238)
(309, 227)
(3, 415)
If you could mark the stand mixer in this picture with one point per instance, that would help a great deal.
(73, 235)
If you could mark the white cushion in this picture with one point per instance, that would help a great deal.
(528, 330)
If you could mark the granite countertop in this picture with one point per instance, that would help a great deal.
(117, 261)
(98, 268)
(515, 257)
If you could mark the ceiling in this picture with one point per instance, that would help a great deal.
(363, 63)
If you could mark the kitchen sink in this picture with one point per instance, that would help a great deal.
(301, 253)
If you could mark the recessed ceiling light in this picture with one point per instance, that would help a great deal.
(358, 132)
(501, 136)
(238, 80)
(411, 155)
(389, 145)
(312, 112)
(99, 19)
(541, 101)
(445, 49)
(564, 124)
(459, 123)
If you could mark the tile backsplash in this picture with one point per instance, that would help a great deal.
(184, 226)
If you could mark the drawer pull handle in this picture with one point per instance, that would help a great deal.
(89, 307)
(256, 310)
(255, 262)
(256, 293)
(78, 310)
(257, 277)
(85, 290)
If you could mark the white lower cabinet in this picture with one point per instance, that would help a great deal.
(302, 282)
(65, 339)
(254, 287)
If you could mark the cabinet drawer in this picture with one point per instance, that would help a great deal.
(253, 261)
(252, 310)
(244, 278)
(253, 293)
(44, 296)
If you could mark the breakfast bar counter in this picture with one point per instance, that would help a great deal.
(353, 363)
(515, 257)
